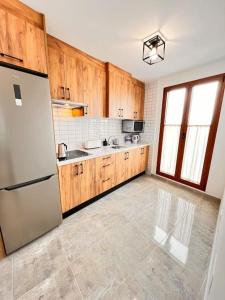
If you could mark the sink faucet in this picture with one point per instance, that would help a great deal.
(114, 141)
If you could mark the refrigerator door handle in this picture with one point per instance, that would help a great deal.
(21, 185)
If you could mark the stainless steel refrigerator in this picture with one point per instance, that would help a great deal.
(29, 189)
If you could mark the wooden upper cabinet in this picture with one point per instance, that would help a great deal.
(56, 72)
(118, 92)
(139, 95)
(125, 94)
(73, 78)
(22, 37)
(12, 38)
(76, 75)
(35, 49)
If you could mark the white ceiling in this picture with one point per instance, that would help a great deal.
(113, 30)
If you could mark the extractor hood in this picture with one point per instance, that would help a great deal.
(67, 104)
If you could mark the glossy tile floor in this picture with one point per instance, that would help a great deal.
(146, 240)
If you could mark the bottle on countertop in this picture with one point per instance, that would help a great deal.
(105, 143)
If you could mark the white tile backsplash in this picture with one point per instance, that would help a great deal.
(74, 131)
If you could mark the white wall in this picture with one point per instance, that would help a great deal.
(215, 288)
(153, 105)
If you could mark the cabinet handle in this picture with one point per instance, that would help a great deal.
(68, 93)
(106, 157)
(106, 180)
(104, 166)
(76, 170)
(82, 169)
(122, 112)
(63, 92)
(119, 109)
(12, 57)
(134, 115)
(126, 155)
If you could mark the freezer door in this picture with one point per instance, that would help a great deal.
(28, 212)
(27, 149)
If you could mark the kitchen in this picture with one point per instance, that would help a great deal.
(98, 165)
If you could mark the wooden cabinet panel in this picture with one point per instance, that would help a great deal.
(77, 183)
(74, 83)
(35, 45)
(115, 82)
(69, 186)
(94, 89)
(56, 73)
(12, 38)
(144, 158)
(105, 173)
(141, 159)
(87, 180)
(22, 37)
(139, 92)
(121, 167)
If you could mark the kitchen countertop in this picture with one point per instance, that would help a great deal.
(107, 150)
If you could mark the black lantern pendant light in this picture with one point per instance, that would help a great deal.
(153, 50)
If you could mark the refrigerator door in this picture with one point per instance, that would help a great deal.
(27, 149)
(28, 212)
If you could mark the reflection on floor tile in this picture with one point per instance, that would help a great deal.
(147, 240)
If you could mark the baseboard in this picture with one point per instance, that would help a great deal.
(186, 187)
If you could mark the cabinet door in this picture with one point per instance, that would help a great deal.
(144, 158)
(94, 90)
(74, 78)
(35, 58)
(87, 180)
(100, 105)
(12, 38)
(115, 86)
(56, 72)
(132, 161)
(69, 181)
(128, 99)
(89, 82)
(139, 102)
(121, 167)
(105, 173)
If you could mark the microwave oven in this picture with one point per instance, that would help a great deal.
(133, 126)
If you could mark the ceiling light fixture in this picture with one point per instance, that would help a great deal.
(153, 49)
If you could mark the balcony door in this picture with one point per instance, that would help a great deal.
(190, 116)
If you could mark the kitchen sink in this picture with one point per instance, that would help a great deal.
(117, 147)
(75, 154)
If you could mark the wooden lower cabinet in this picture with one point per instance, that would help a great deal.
(140, 160)
(82, 181)
(105, 173)
(131, 163)
(77, 183)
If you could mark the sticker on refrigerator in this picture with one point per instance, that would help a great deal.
(17, 93)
